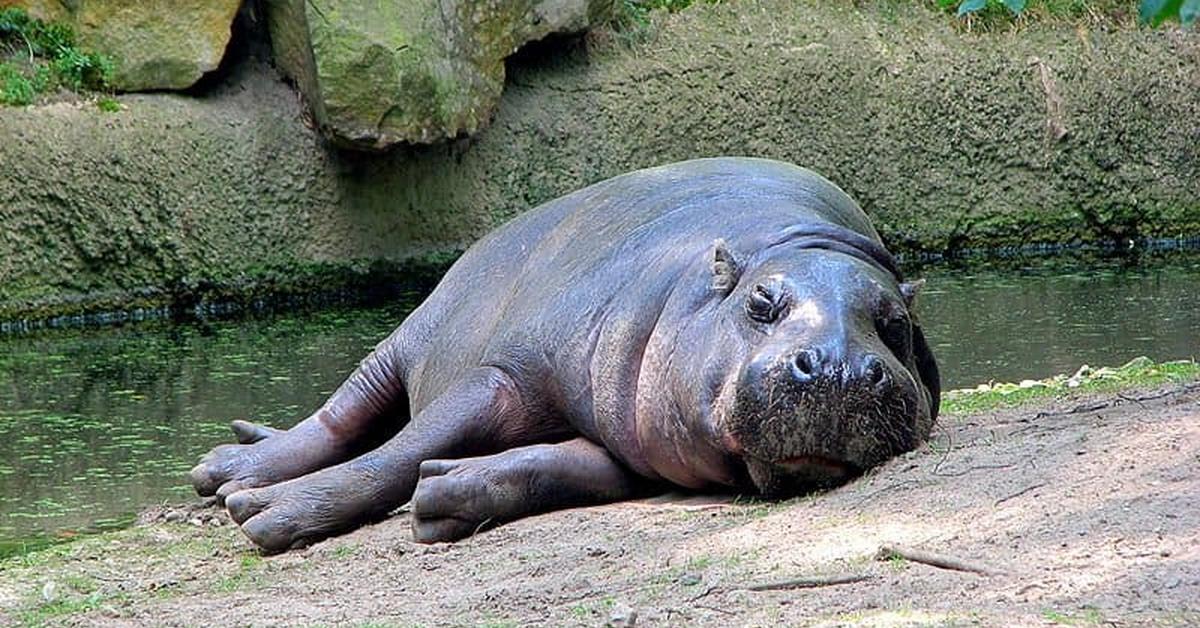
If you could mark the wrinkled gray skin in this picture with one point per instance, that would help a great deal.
(712, 323)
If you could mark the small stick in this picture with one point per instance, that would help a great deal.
(1019, 493)
(941, 561)
(808, 582)
(1076, 410)
(714, 608)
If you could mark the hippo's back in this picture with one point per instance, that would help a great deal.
(552, 274)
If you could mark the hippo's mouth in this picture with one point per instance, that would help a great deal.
(818, 466)
(799, 474)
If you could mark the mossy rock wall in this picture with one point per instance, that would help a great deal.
(417, 71)
(949, 140)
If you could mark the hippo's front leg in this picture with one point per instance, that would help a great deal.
(481, 414)
(369, 407)
(457, 498)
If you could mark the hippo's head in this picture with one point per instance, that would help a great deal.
(824, 371)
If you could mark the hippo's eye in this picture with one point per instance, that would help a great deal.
(896, 333)
(765, 303)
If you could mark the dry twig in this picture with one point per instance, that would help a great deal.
(1018, 493)
(803, 582)
(933, 559)
(808, 582)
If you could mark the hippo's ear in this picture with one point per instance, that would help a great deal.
(909, 291)
(927, 368)
(725, 270)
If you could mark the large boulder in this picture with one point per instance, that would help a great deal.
(155, 44)
(378, 73)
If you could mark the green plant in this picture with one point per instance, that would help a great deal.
(1155, 12)
(15, 87)
(972, 6)
(108, 104)
(36, 57)
(1085, 616)
(82, 70)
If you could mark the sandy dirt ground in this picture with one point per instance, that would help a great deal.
(1082, 511)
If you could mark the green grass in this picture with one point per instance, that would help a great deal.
(108, 104)
(76, 591)
(346, 551)
(249, 572)
(37, 57)
(41, 615)
(1137, 373)
(1085, 616)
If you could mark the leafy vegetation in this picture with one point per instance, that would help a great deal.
(1153, 12)
(37, 57)
(108, 104)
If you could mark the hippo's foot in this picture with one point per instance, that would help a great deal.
(263, 456)
(304, 510)
(458, 498)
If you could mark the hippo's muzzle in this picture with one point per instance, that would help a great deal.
(817, 419)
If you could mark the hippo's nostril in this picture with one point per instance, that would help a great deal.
(805, 364)
(874, 372)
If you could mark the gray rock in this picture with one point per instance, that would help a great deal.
(417, 71)
(622, 616)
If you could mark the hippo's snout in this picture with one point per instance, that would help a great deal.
(818, 416)
(811, 365)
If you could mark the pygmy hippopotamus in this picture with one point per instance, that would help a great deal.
(727, 322)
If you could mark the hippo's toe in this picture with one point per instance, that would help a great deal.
(227, 489)
(274, 533)
(455, 499)
(302, 510)
(205, 479)
(442, 530)
(223, 464)
(242, 505)
(274, 522)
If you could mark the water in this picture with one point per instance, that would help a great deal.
(1033, 318)
(98, 424)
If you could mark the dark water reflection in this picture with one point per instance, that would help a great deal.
(97, 424)
(1035, 318)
